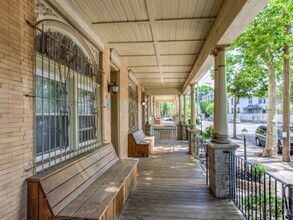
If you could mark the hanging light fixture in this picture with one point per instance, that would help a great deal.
(113, 87)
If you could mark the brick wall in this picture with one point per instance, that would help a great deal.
(16, 110)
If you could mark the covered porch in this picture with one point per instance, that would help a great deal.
(77, 77)
(171, 185)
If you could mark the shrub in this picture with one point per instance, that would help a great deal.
(258, 170)
(207, 133)
(263, 205)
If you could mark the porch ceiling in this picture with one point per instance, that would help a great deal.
(166, 43)
(154, 37)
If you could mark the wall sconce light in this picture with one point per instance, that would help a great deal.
(143, 103)
(113, 87)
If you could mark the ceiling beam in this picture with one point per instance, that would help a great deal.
(174, 65)
(146, 72)
(139, 55)
(193, 19)
(121, 22)
(140, 73)
(231, 10)
(159, 41)
(182, 41)
(162, 55)
(132, 42)
(163, 91)
(160, 78)
(142, 66)
(158, 66)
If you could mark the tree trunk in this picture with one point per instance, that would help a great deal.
(234, 115)
(286, 102)
(271, 139)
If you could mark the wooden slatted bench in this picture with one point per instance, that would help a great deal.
(140, 145)
(92, 186)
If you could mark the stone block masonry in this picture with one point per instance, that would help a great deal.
(219, 168)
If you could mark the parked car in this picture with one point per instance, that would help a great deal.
(210, 118)
(261, 133)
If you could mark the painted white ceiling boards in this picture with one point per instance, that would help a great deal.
(166, 44)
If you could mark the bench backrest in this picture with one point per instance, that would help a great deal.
(138, 135)
(63, 185)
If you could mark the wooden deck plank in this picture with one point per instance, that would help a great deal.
(171, 185)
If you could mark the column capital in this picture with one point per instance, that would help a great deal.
(221, 47)
(214, 53)
(192, 85)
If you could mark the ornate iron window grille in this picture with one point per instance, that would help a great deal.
(68, 109)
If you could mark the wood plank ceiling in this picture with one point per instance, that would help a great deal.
(159, 40)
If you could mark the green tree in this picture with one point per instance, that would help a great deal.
(210, 109)
(242, 81)
(204, 90)
(204, 104)
(166, 109)
(263, 41)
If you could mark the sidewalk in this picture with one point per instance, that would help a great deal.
(275, 166)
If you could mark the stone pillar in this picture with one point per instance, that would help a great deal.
(218, 164)
(216, 92)
(179, 125)
(192, 105)
(222, 120)
(148, 124)
(194, 142)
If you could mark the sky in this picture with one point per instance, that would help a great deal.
(206, 80)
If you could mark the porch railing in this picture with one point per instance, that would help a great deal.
(165, 131)
(258, 194)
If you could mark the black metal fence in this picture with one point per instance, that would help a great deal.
(258, 194)
(203, 157)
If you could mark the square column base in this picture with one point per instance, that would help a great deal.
(148, 129)
(179, 131)
(193, 142)
(184, 132)
(219, 168)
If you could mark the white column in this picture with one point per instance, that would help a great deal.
(143, 111)
(216, 92)
(151, 105)
(192, 106)
(148, 109)
(222, 120)
(184, 109)
(180, 109)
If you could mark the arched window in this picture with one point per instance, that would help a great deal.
(67, 90)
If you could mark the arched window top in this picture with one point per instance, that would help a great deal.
(64, 50)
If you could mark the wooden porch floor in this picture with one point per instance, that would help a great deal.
(171, 185)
